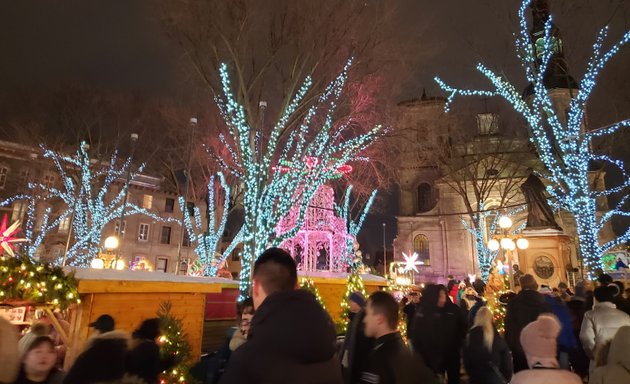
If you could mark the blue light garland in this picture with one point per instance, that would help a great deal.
(269, 192)
(562, 145)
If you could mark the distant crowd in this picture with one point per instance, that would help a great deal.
(552, 335)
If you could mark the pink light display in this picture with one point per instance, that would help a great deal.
(320, 244)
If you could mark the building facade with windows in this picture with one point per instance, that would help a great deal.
(432, 213)
(144, 242)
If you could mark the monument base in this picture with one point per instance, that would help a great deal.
(547, 256)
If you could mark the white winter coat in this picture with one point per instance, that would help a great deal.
(600, 325)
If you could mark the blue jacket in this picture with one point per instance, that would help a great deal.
(566, 339)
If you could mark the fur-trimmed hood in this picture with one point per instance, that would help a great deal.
(111, 335)
(110, 347)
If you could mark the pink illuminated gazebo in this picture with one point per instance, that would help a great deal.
(320, 244)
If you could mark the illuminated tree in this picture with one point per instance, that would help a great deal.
(206, 238)
(87, 192)
(564, 146)
(353, 226)
(286, 167)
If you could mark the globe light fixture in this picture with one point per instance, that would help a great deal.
(120, 264)
(507, 243)
(522, 243)
(505, 222)
(111, 243)
(97, 263)
(494, 245)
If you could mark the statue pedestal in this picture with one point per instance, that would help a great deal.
(547, 256)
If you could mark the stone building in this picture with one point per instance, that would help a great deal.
(145, 241)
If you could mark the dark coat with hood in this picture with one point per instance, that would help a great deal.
(356, 348)
(523, 309)
(391, 362)
(437, 333)
(291, 341)
(102, 361)
(481, 364)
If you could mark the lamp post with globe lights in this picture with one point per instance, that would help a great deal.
(508, 243)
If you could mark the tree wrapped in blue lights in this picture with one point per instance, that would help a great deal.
(353, 226)
(206, 238)
(88, 193)
(563, 145)
(284, 167)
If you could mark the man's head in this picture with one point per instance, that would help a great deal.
(604, 294)
(415, 297)
(563, 287)
(274, 271)
(528, 282)
(381, 315)
(104, 323)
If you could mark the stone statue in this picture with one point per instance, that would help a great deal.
(541, 13)
(539, 213)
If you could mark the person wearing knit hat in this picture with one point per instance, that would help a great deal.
(539, 341)
(38, 363)
(37, 329)
(9, 356)
(523, 309)
(601, 323)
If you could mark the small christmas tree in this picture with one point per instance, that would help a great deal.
(307, 284)
(354, 284)
(173, 345)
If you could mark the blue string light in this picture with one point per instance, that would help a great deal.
(561, 143)
(312, 152)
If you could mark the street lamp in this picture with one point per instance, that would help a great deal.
(505, 222)
(134, 138)
(507, 243)
(111, 243)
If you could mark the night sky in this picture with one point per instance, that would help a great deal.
(120, 45)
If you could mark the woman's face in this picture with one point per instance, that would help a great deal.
(246, 320)
(441, 299)
(41, 358)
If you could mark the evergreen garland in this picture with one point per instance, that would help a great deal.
(21, 279)
(307, 284)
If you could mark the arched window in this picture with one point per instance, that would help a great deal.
(4, 171)
(421, 247)
(425, 197)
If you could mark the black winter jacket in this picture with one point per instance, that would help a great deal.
(356, 348)
(523, 309)
(438, 334)
(482, 365)
(391, 362)
(291, 341)
(102, 361)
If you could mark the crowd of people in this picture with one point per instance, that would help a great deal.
(110, 355)
(284, 335)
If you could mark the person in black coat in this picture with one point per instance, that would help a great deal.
(523, 309)
(292, 338)
(390, 361)
(487, 358)
(356, 347)
(106, 345)
(438, 332)
(144, 360)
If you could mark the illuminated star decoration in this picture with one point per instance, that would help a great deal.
(411, 262)
(6, 235)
